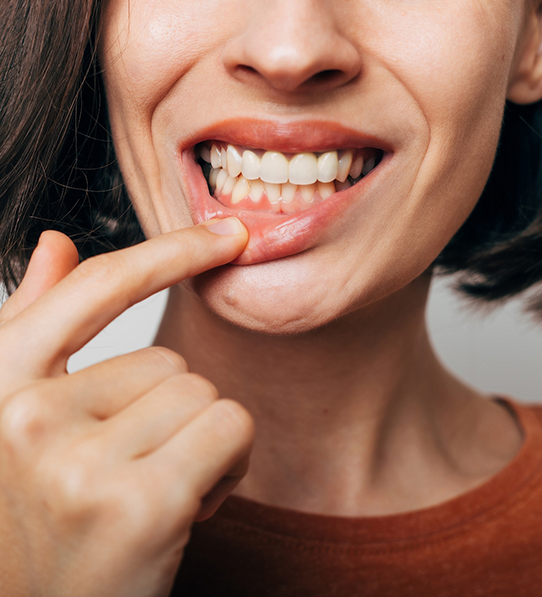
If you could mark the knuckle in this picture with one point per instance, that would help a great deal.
(168, 357)
(24, 418)
(136, 507)
(100, 269)
(235, 420)
(200, 386)
(74, 485)
(70, 489)
(139, 510)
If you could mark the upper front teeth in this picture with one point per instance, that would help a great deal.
(273, 167)
(303, 169)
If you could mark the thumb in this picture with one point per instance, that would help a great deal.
(52, 260)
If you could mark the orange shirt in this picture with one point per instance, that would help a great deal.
(487, 542)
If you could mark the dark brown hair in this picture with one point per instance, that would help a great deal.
(58, 168)
(498, 250)
(57, 164)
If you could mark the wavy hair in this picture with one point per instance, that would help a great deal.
(57, 163)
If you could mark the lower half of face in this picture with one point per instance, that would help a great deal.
(352, 141)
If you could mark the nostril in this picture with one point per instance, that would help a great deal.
(242, 68)
(327, 76)
(321, 79)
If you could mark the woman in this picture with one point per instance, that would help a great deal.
(353, 140)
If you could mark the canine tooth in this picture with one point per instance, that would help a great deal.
(356, 167)
(345, 162)
(216, 158)
(307, 192)
(273, 192)
(250, 165)
(220, 180)
(223, 158)
(205, 153)
(240, 190)
(256, 190)
(368, 166)
(342, 186)
(228, 185)
(213, 175)
(328, 166)
(326, 189)
(234, 161)
(288, 192)
(303, 169)
(274, 167)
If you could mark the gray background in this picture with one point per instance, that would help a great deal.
(500, 352)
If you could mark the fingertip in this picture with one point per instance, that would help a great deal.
(55, 244)
(54, 257)
(224, 240)
(226, 227)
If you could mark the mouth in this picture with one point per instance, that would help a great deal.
(292, 193)
(285, 183)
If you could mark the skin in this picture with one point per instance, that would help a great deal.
(327, 349)
(439, 110)
(91, 461)
(343, 320)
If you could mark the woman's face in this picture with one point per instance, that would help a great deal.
(416, 87)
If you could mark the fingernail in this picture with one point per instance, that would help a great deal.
(226, 227)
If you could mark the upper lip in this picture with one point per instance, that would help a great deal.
(287, 136)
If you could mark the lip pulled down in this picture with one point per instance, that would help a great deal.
(271, 235)
(277, 235)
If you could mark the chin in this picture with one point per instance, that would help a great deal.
(270, 298)
(294, 295)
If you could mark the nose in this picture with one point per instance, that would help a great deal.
(293, 45)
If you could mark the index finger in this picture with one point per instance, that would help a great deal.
(102, 287)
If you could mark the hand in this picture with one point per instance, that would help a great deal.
(102, 472)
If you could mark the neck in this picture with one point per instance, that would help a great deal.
(349, 414)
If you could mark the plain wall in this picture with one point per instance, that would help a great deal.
(499, 353)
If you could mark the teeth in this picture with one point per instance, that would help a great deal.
(205, 153)
(303, 169)
(328, 166)
(250, 165)
(355, 170)
(220, 180)
(326, 189)
(246, 173)
(274, 167)
(307, 192)
(216, 159)
(234, 161)
(228, 185)
(272, 191)
(345, 162)
(256, 190)
(240, 190)
(342, 186)
(213, 175)
(288, 192)
(368, 166)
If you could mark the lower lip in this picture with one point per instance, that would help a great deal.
(271, 235)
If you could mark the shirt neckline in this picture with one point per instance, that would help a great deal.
(505, 490)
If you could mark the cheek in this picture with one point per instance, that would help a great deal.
(454, 57)
(148, 45)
